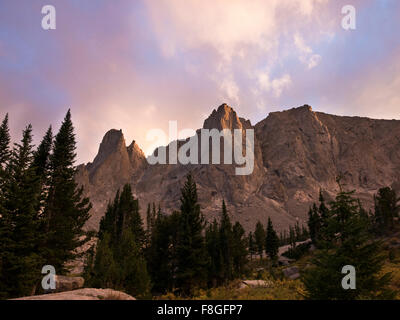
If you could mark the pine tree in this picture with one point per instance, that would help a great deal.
(271, 242)
(304, 234)
(5, 224)
(386, 209)
(283, 238)
(135, 279)
(108, 223)
(88, 267)
(259, 235)
(251, 245)
(161, 253)
(226, 241)
(105, 270)
(121, 239)
(350, 244)
(192, 257)
(4, 143)
(20, 259)
(41, 158)
(41, 165)
(323, 210)
(239, 251)
(4, 158)
(66, 209)
(297, 231)
(128, 216)
(214, 252)
(122, 214)
(151, 217)
(314, 224)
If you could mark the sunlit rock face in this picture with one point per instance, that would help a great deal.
(298, 152)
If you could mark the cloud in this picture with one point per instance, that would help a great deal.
(224, 25)
(234, 35)
(230, 90)
(276, 86)
(307, 56)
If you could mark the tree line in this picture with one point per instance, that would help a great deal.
(178, 252)
(42, 210)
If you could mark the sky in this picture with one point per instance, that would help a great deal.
(136, 65)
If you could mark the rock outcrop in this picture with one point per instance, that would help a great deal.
(255, 284)
(297, 153)
(115, 165)
(82, 294)
(291, 273)
(65, 283)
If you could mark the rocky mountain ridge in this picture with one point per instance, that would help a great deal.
(297, 153)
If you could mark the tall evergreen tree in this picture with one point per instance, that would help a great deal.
(128, 216)
(349, 244)
(19, 234)
(314, 224)
(4, 142)
(192, 258)
(41, 165)
(271, 242)
(41, 157)
(66, 209)
(134, 277)
(259, 236)
(387, 208)
(5, 230)
(4, 158)
(108, 223)
(121, 237)
(251, 245)
(305, 233)
(104, 272)
(323, 211)
(297, 231)
(226, 241)
(161, 253)
(151, 217)
(122, 214)
(214, 252)
(239, 251)
(292, 237)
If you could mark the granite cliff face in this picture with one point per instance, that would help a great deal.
(297, 153)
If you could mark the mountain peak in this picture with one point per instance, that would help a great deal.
(113, 133)
(305, 107)
(112, 141)
(225, 108)
(223, 118)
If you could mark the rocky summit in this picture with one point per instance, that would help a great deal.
(298, 152)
